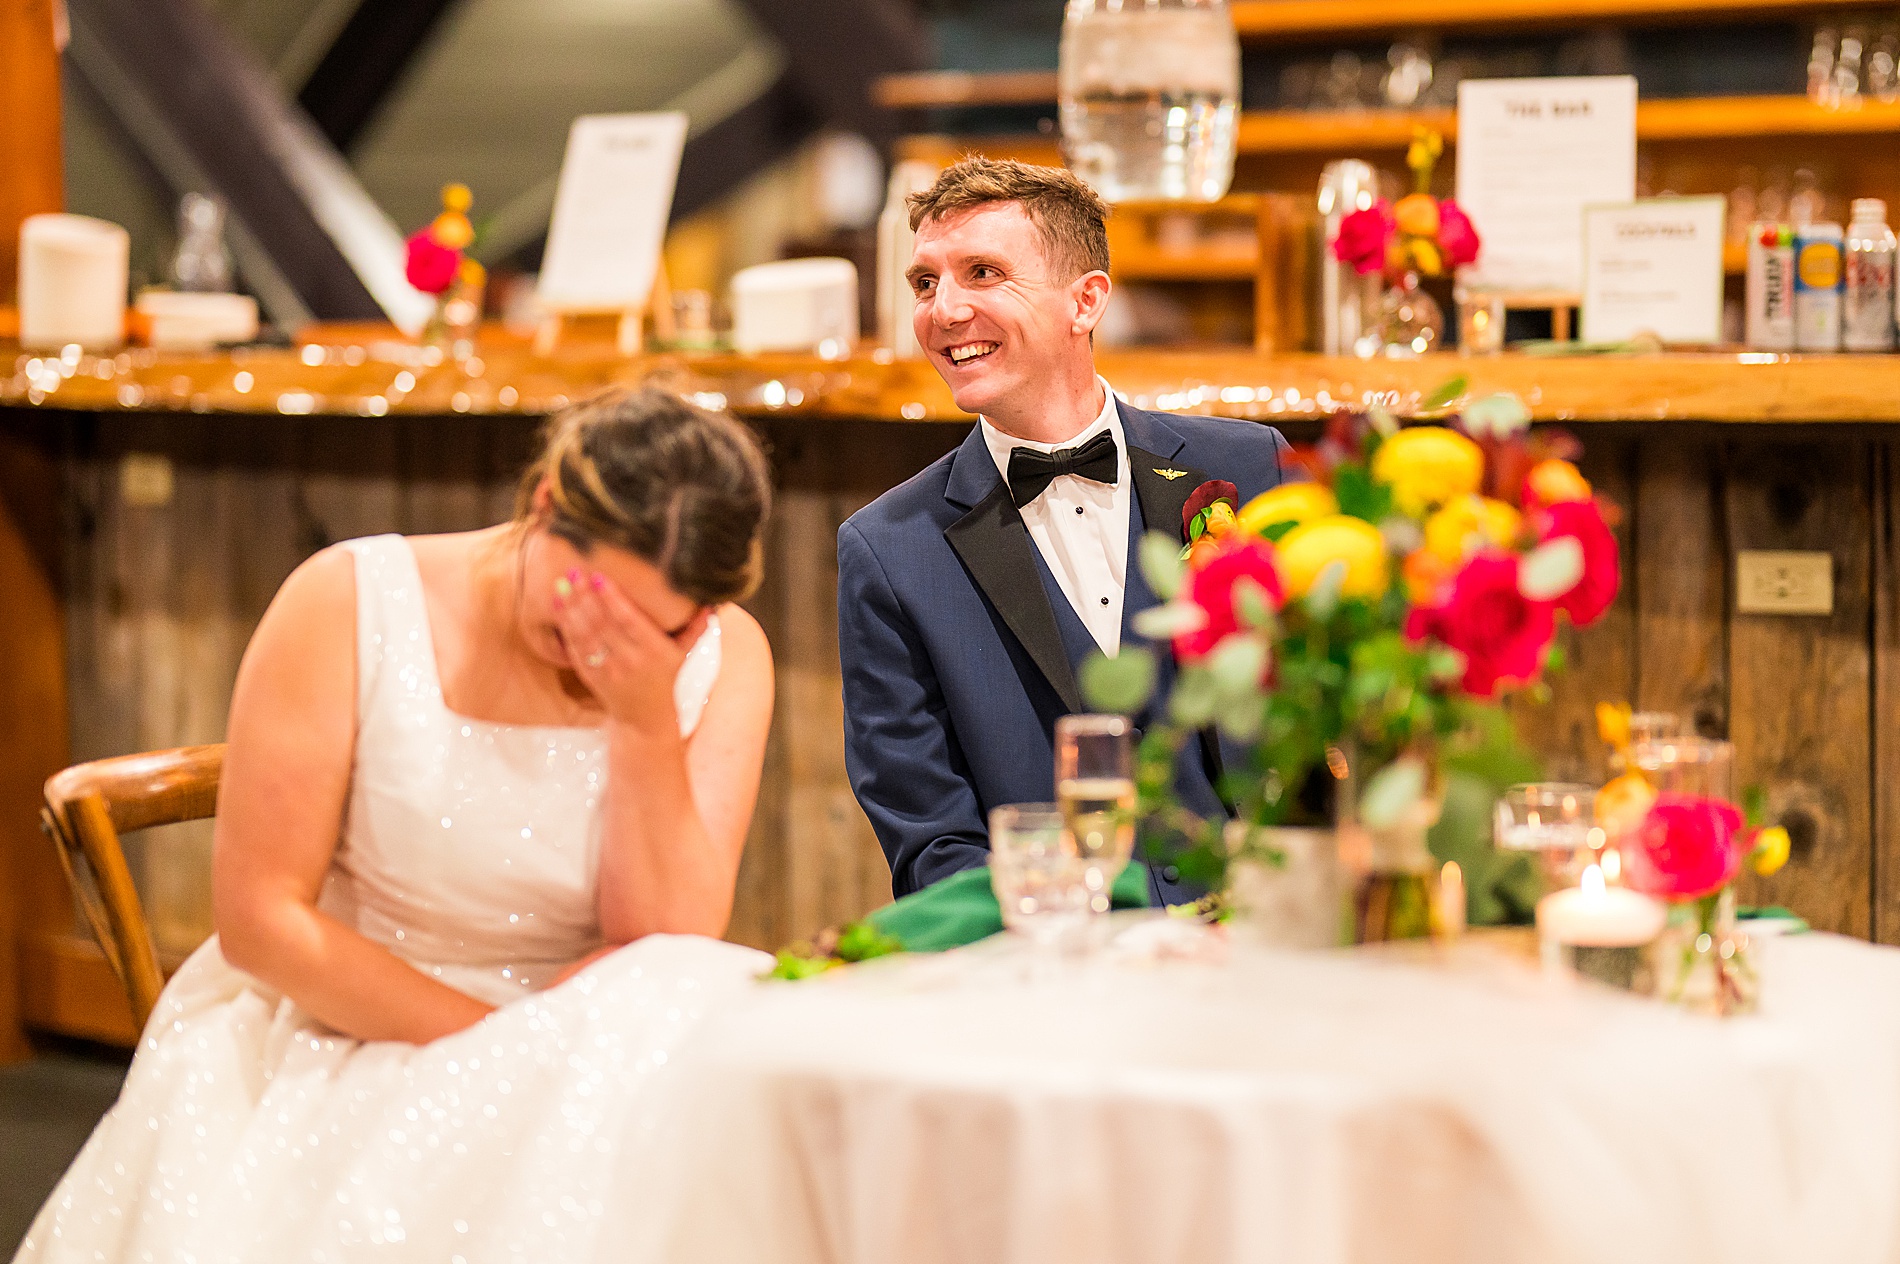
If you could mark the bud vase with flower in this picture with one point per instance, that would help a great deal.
(438, 263)
(1417, 236)
(1349, 639)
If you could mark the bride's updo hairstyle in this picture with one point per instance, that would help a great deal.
(643, 470)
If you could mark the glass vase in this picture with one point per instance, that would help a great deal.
(1149, 96)
(1409, 322)
(1703, 962)
(457, 317)
(1396, 894)
(1283, 886)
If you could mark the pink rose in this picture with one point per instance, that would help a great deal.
(1687, 847)
(1363, 236)
(1456, 236)
(1502, 634)
(1582, 520)
(431, 267)
(1211, 587)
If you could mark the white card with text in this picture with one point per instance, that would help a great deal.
(610, 211)
(1532, 153)
(1654, 267)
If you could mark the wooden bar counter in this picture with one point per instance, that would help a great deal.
(151, 503)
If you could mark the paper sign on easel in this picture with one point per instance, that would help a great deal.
(1654, 267)
(610, 214)
(1532, 153)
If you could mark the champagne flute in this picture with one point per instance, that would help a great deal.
(1095, 788)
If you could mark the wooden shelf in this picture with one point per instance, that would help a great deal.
(1218, 263)
(949, 89)
(1322, 19)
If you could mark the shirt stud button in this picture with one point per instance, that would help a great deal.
(1078, 510)
(1105, 601)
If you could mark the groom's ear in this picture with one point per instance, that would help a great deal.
(1090, 294)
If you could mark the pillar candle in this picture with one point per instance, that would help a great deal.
(73, 273)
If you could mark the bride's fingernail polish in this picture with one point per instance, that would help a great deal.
(599, 581)
(563, 589)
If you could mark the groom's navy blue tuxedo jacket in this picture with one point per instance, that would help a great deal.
(960, 650)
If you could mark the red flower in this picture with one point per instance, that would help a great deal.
(431, 266)
(1456, 236)
(1501, 633)
(1687, 847)
(1211, 587)
(1363, 236)
(1602, 565)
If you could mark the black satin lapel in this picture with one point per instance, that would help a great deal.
(1162, 497)
(996, 548)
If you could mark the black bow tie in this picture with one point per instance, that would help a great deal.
(1031, 471)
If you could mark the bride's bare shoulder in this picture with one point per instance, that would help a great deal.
(313, 615)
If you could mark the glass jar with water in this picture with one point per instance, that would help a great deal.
(1150, 97)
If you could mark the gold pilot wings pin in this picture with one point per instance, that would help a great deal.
(1171, 475)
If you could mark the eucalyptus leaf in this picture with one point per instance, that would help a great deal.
(1251, 604)
(1551, 569)
(1238, 664)
(1383, 422)
(1499, 416)
(1402, 535)
(1391, 792)
(1118, 685)
(1323, 597)
(1240, 718)
(1169, 620)
(1195, 696)
(1445, 395)
(1161, 564)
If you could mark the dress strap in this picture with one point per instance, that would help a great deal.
(693, 687)
(393, 646)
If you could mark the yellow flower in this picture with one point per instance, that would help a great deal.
(1427, 466)
(471, 273)
(1416, 215)
(1311, 547)
(1220, 519)
(1623, 803)
(1448, 532)
(457, 198)
(1553, 482)
(1425, 149)
(1289, 502)
(1425, 256)
(1613, 724)
(452, 230)
(1771, 850)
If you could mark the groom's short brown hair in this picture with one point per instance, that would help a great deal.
(1071, 219)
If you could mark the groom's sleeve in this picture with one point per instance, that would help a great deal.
(906, 766)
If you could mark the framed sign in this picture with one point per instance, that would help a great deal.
(1654, 267)
(610, 212)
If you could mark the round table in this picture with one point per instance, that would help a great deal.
(991, 1106)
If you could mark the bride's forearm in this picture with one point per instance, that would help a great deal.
(344, 979)
(660, 871)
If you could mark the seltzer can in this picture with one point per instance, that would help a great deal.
(1770, 288)
(1817, 287)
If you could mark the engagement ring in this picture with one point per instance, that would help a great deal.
(596, 658)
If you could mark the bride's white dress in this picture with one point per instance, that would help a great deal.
(247, 1131)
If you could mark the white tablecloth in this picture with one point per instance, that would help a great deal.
(1280, 1107)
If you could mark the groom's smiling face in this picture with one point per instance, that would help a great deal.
(995, 318)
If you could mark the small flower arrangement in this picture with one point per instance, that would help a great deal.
(437, 263)
(1367, 622)
(1418, 234)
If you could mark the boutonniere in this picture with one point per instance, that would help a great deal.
(1211, 512)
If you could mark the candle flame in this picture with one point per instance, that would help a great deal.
(1593, 880)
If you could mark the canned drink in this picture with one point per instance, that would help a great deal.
(1867, 324)
(1769, 325)
(1817, 287)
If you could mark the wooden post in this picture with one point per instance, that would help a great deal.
(29, 126)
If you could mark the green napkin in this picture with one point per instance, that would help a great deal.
(962, 909)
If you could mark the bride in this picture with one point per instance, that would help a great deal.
(482, 806)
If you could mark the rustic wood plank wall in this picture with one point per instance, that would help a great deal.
(160, 598)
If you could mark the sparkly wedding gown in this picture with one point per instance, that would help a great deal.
(247, 1131)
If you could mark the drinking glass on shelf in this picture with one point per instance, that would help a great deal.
(1555, 820)
(1041, 885)
(1095, 786)
(1698, 766)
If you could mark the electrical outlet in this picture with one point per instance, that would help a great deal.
(145, 480)
(1774, 582)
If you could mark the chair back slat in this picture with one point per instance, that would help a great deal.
(88, 807)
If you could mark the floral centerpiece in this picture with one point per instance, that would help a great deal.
(1417, 236)
(1353, 637)
(1683, 841)
(437, 262)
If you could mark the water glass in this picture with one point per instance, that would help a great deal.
(1556, 820)
(1698, 766)
(1095, 787)
(1041, 885)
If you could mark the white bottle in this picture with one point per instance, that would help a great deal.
(1868, 321)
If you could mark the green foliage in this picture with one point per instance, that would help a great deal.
(1120, 685)
(1359, 496)
(861, 941)
(1447, 393)
(1161, 564)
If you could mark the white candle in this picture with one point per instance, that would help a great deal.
(1598, 916)
(73, 273)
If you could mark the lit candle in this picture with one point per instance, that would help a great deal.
(1598, 916)
(1451, 900)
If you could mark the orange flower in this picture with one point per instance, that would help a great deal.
(1555, 482)
(1426, 575)
(1416, 215)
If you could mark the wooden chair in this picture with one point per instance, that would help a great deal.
(87, 807)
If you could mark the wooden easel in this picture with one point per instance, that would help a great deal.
(630, 323)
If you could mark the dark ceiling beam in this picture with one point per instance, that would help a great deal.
(210, 117)
(836, 50)
(365, 62)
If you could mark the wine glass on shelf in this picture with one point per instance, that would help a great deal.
(1095, 788)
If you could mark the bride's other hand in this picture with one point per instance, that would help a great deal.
(624, 658)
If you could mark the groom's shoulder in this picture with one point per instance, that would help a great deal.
(916, 504)
(1223, 434)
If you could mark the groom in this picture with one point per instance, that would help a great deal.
(969, 596)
